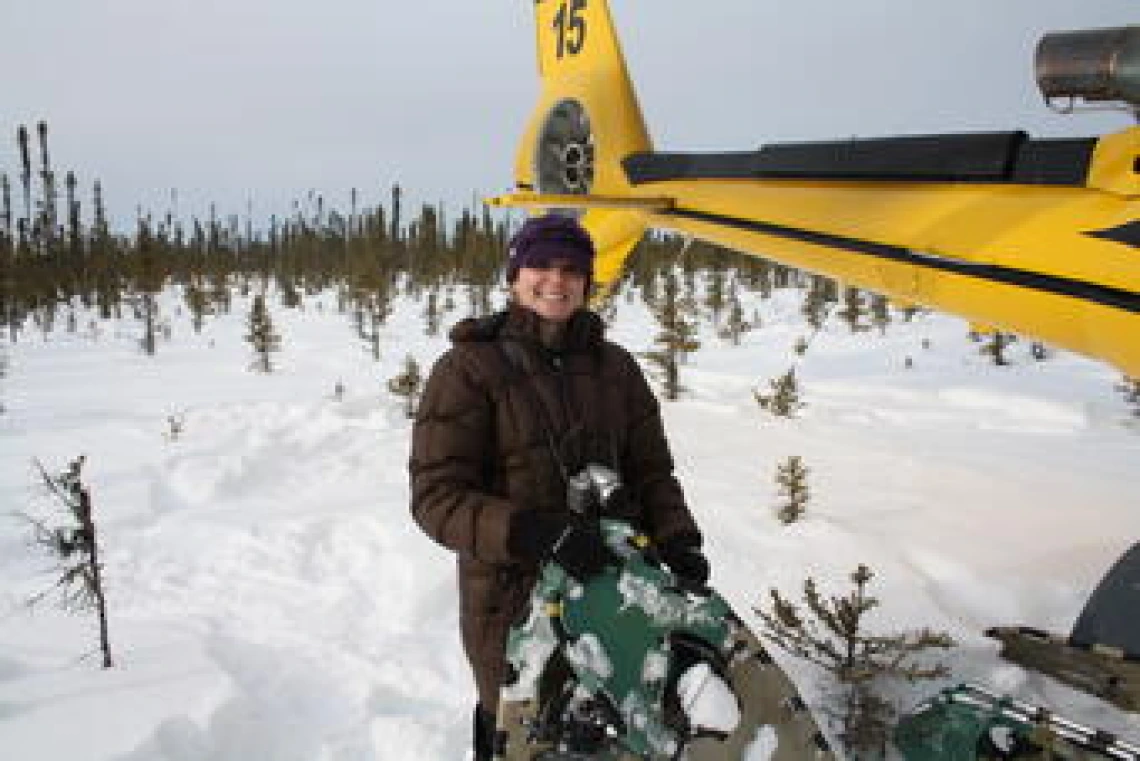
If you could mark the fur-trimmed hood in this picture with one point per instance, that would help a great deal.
(584, 331)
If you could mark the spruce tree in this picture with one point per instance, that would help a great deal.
(372, 312)
(409, 385)
(6, 209)
(784, 399)
(46, 219)
(821, 294)
(791, 480)
(715, 288)
(853, 311)
(74, 236)
(995, 347)
(834, 638)
(734, 324)
(175, 425)
(880, 313)
(758, 274)
(262, 336)
(395, 233)
(432, 314)
(24, 226)
(150, 280)
(100, 228)
(676, 339)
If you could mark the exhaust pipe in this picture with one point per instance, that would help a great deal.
(1094, 65)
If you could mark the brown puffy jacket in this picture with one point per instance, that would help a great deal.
(501, 419)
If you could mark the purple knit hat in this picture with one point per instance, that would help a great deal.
(551, 236)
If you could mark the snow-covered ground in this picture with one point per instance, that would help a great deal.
(271, 598)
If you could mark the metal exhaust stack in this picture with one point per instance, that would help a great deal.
(1094, 65)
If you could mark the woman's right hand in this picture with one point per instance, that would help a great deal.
(578, 548)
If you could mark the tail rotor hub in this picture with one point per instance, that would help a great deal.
(564, 163)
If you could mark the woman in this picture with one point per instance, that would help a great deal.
(522, 401)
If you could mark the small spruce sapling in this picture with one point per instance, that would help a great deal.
(820, 295)
(834, 638)
(175, 425)
(375, 309)
(995, 347)
(734, 324)
(409, 385)
(677, 339)
(75, 547)
(262, 336)
(791, 480)
(880, 313)
(432, 314)
(784, 401)
(854, 310)
(717, 290)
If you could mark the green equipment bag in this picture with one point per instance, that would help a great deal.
(970, 723)
(633, 665)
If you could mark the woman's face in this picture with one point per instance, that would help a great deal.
(553, 291)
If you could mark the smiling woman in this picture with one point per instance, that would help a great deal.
(549, 268)
(524, 401)
(554, 290)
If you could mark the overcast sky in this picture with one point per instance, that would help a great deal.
(232, 100)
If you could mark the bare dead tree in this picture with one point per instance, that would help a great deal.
(25, 182)
(75, 548)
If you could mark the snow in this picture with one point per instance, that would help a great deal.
(763, 746)
(661, 608)
(587, 654)
(707, 700)
(271, 598)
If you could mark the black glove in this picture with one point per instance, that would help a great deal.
(537, 535)
(582, 552)
(684, 557)
(532, 533)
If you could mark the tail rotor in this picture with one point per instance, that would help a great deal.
(564, 155)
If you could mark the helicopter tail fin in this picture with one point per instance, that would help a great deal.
(586, 121)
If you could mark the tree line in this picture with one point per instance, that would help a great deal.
(55, 253)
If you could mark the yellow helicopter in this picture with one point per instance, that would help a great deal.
(1039, 237)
